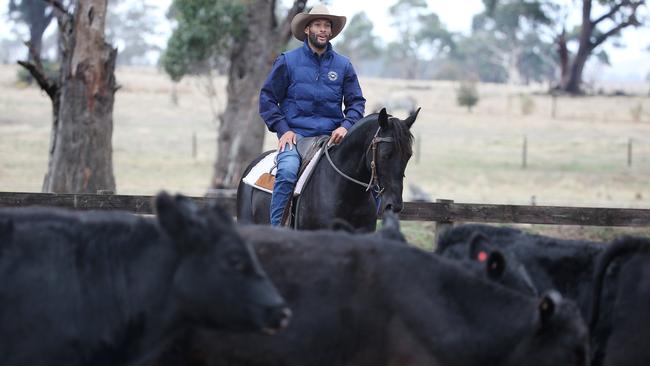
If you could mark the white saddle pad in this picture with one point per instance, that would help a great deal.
(267, 164)
(263, 166)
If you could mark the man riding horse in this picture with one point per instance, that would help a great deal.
(302, 97)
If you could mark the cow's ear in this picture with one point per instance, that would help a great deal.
(174, 214)
(479, 247)
(495, 265)
(411, 118)
(383, 119)
(220, 218)
(548, 305)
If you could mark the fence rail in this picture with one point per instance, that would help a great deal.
(443, 212)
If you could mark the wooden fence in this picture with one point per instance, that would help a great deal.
(443, 212)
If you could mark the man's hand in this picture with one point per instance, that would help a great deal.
(289, 137)
(338, 135)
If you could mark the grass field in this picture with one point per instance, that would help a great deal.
(578, 158)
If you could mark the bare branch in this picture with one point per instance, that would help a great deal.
(610, 13)
(38, 72)
(631, 21)
(284, 31)
(56, 4)
(42, 80)
(61, 12)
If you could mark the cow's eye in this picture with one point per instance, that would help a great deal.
(237, 262)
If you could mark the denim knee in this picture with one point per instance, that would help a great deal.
(288, 165)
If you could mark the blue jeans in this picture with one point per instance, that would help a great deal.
(285, 180)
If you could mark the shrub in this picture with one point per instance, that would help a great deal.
(636, 112)
(527, 104)
(467, 95)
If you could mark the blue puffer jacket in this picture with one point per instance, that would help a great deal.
(304, 92)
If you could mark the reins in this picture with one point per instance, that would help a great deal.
(374, 178)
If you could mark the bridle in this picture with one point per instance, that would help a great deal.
(373, 184)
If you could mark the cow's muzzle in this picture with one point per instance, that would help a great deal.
(277, 317)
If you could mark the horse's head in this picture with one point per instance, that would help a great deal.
(390, 150)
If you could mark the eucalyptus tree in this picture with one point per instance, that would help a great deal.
(37, 15)
(515, 26)
(358, 41)
(593, 32)
(82, 95)
(247, 35)
(421, 37)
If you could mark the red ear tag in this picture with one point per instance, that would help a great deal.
(482, 256)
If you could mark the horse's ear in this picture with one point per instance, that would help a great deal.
(383, 119)
(411, 119)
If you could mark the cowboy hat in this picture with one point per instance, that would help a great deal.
(300, 21)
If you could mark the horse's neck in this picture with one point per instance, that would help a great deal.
(350, 156)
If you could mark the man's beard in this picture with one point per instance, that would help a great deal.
(313, 39)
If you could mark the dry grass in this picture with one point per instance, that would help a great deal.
(578, 158)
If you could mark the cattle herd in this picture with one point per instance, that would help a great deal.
(191, 287)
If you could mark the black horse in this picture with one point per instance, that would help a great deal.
(354, 181)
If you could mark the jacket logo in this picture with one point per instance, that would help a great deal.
(332, 75)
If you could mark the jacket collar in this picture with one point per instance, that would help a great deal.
(308, 50)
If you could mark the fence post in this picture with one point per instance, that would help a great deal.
(194, 145)
(524, 153)
(418, 141)
(553, 104)
(441, 226)
(629, 152)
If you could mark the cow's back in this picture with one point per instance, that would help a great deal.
(358, 300)
(66, 280)
(552, 263)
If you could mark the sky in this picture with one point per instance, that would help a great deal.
(631, 63)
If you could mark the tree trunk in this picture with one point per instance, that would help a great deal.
(37, 27)
(574, 78)
(621, 13)
(81, 150)
(563, 52)
(241, 129)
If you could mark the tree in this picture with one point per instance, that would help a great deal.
(251, 36)
(536, 61)
(405, 15)
(515, 26)
(37, 15)
(82, 98)
(357, 41)
(421, 38)
(593, 32)
(477, 56)
(128, 26)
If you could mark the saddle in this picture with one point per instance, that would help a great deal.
(262, 175)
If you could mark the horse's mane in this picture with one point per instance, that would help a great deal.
(399, 131)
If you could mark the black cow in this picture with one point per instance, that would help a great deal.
(107, 288)
(390, 227)
(363, 301)
(550, 263)
(621, 304)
